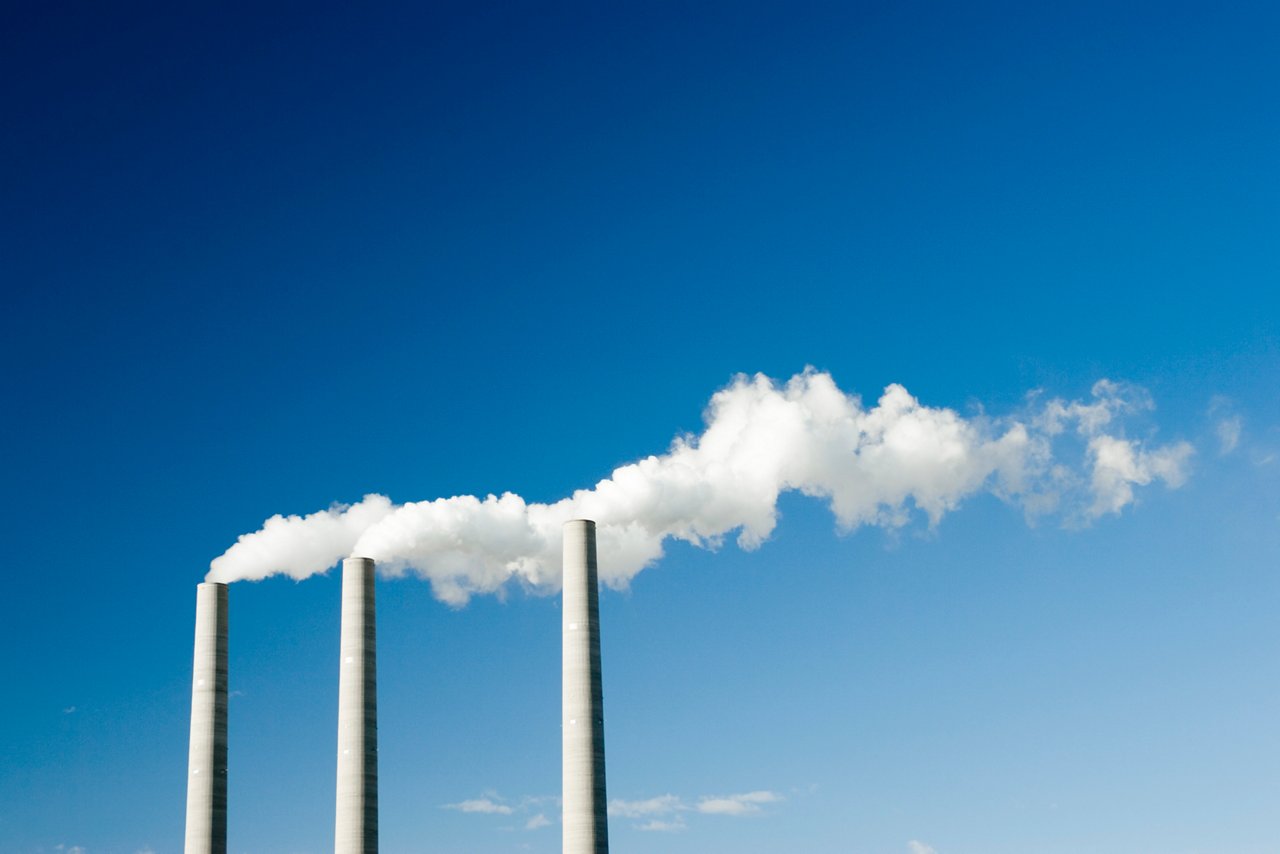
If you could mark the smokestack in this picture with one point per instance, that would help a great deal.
(357, 822)
(207, 761)
(586, 830)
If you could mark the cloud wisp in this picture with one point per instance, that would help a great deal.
(667, 813)
(744, 804)
(1227, 424)
(664, 813)
(485, 805)
(530, 810)
(879, 465)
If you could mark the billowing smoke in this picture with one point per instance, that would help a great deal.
(877, 465)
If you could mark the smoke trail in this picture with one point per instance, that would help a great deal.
(873, 466)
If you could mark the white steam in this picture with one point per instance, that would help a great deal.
(872, 465)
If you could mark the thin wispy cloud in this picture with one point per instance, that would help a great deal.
(744, 804)
(917, 847)
(667, 812)
(1227, 425)
(486, 806)
(1228, 431)
(661, 805)
(661, 813)
(531, 809)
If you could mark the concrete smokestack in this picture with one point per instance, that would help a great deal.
(207, 761)
(586, 829)
(357, 821)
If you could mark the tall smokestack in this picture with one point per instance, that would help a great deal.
(586, 830)
(207, 761)
(357, 822)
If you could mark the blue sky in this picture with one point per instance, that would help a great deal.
(261, 259)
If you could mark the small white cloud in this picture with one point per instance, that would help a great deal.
(666, 813)
(661, 805)
(536, 822)
(915, 846)
(530, 802)
(1110, 400)
(480, 805)
(69, 710)
(1227, 425)
(1228, 430)
(744, 804)
(1118, 464)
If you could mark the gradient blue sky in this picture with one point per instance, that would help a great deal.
(260, 258)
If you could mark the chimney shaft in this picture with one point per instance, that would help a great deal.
(207, 760)
(586, 829)
(356, 829)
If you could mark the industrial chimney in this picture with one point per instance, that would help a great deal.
(357, 820)
(207, 761)
(586, 829)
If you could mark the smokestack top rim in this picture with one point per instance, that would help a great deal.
(359, 558)
(590, 522)
(212, 584)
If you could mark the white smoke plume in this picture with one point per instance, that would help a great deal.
(873, 465)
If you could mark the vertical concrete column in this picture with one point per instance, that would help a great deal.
(357, 821)
(586, 830)
(207, 761)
